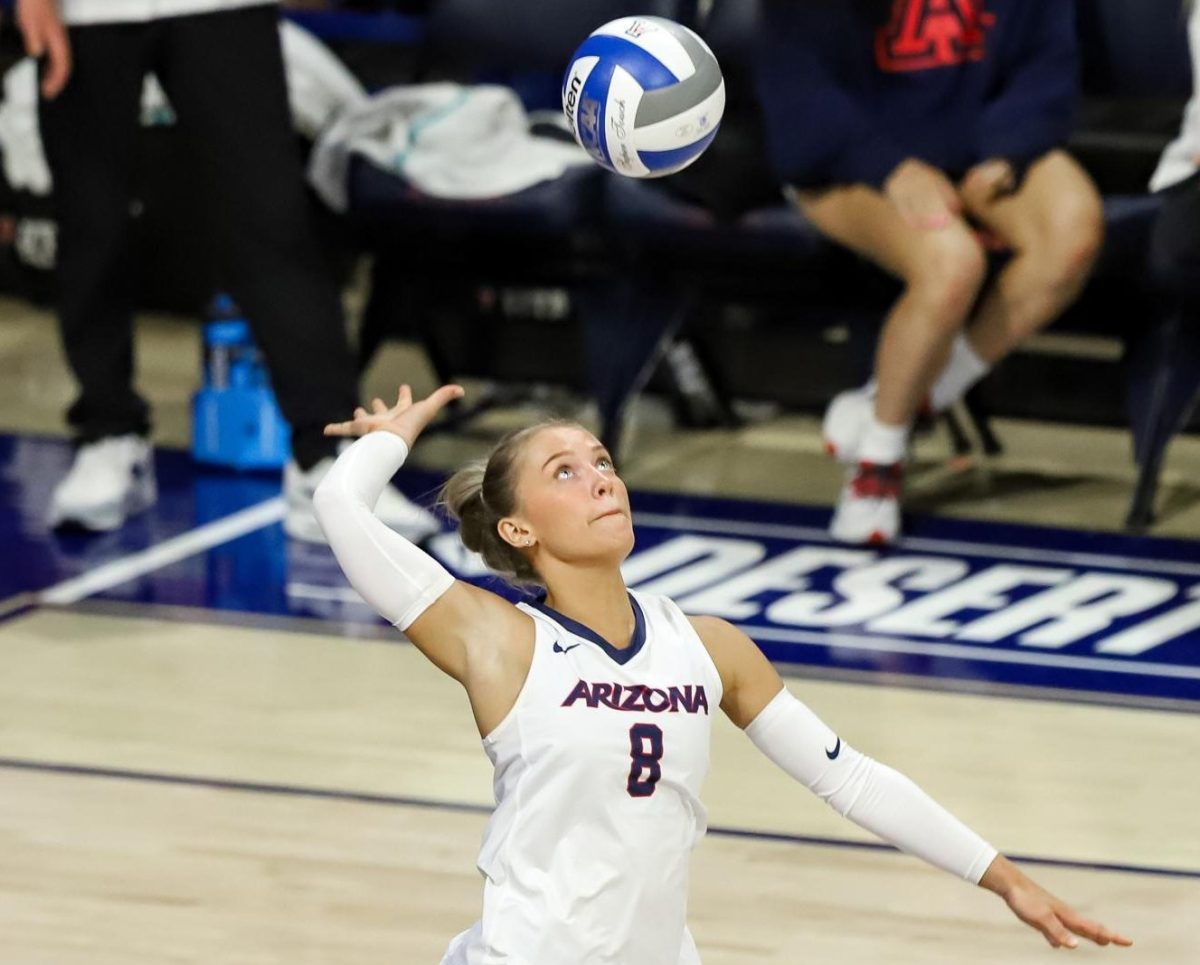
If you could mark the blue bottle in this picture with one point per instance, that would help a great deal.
(236, 420)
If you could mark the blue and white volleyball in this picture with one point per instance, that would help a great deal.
(644, 96)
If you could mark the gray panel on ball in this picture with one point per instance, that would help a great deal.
(659, 105)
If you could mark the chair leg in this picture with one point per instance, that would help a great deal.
(627, 324)
(1163, 379)
(699, 402)
(1141, 506)
(959, 440)
(981, 420)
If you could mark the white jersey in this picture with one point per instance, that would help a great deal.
(1181, 159)
(599, 762)
(598, 769)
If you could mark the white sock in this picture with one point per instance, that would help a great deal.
(962, 371)
(883, 444)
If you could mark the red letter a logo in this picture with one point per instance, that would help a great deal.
(932, 33)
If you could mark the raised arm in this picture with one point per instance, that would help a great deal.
(872, 795)
(474, 636)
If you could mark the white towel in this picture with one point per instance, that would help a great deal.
(1181, 159)
(447, 140)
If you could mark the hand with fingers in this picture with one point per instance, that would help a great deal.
(1058, 922)
(986, 183)
(924, 196)
(406, 418)
(45, 35)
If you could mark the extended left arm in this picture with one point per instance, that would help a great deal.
(872, 795)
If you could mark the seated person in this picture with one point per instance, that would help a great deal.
(1175, 243)
(918, 133)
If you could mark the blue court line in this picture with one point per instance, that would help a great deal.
(785, 661)
(390, 800)
(872, 643)
(17, 606)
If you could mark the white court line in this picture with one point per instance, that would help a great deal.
(847, 641)
(967, 652)
(164, 554)
(954, 547)
(312, 591)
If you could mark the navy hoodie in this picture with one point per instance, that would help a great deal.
(850, 88)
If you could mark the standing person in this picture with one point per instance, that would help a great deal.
(595, 704)
(219, 62)
(916, 133)
(1175, 242)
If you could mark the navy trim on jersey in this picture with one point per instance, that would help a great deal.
(621, 656)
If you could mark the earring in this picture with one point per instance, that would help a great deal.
(528, 542)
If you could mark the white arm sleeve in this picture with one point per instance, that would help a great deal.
(870, 794)
(399, 580)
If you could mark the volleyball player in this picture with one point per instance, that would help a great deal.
(595, 704)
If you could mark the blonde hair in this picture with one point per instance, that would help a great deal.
(483, 492)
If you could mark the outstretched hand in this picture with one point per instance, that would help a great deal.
(1058, 922)
(986, 183)
(406, 418)
(45, 35)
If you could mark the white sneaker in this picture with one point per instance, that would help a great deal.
(411, 521)
(110, 480)
(868, 510)
(846, 421)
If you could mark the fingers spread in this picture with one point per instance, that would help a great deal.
(35, 46)
(447, 393)
(1092, 930)
(59, 67)
(1056, 935)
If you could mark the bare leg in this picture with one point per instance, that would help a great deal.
(942, 271)
(1055, 226)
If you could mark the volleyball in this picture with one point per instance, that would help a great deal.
(644, 96)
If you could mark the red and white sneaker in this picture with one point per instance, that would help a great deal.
(868, 510)
(846, 421)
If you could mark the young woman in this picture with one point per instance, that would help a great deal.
(595, 704)
(919, 135)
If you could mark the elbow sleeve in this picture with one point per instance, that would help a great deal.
(872, 795)
(399, 580)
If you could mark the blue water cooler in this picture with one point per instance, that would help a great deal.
(236, 421)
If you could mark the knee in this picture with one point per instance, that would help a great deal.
(951, 270)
